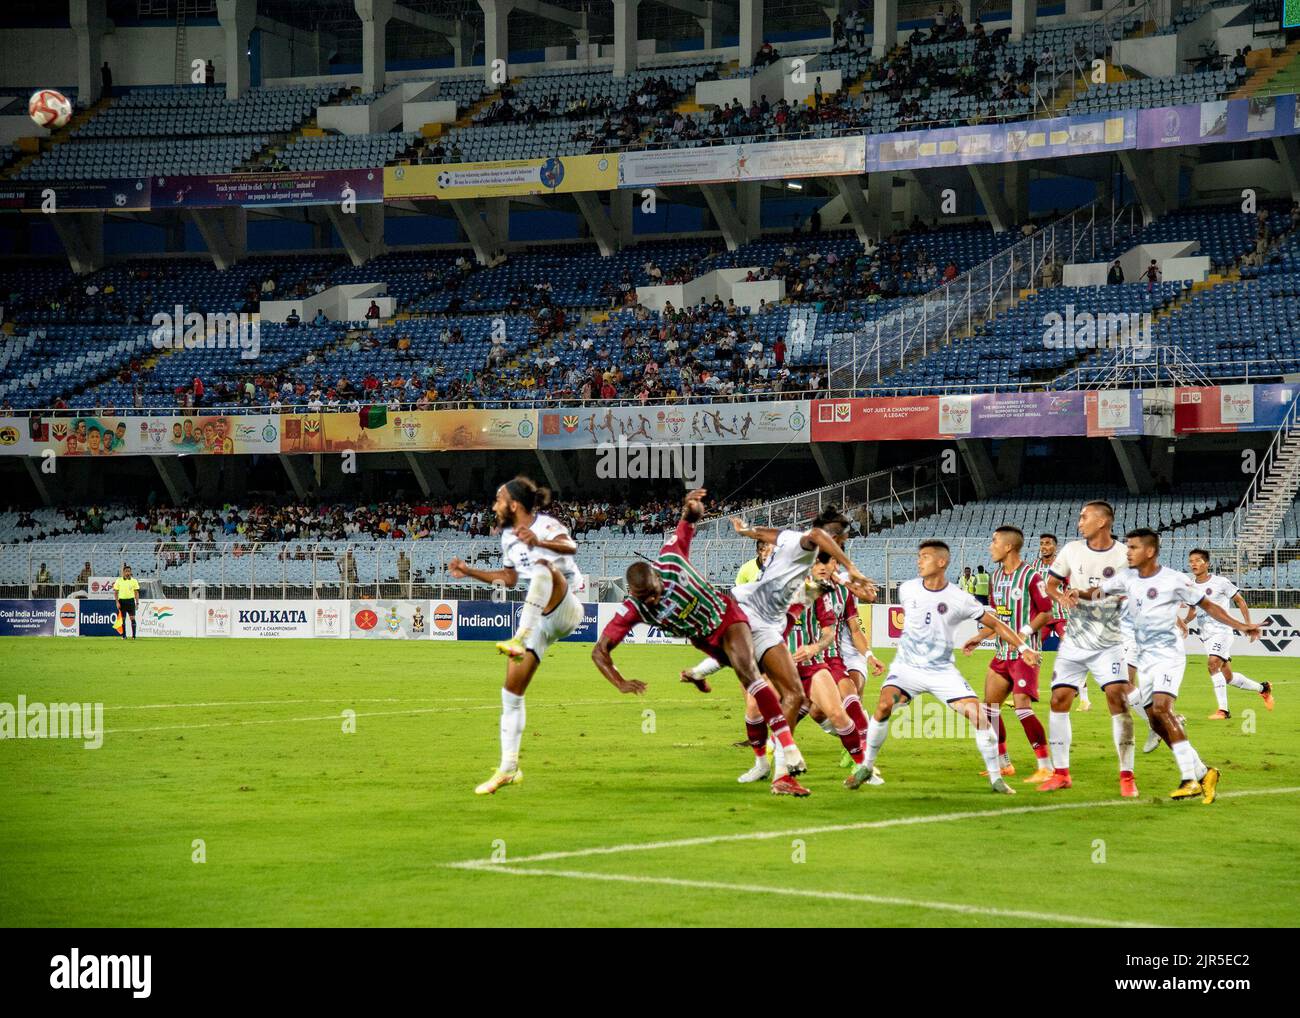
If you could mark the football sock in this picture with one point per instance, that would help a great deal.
(853, 708)
(850, 741)
(1189, 764)
(756, 736)
(705, 668)
(1238, 680)
(1058, 738)
(1121, 728)
(770, 706)
(512, 729)
(1220, 690)
(986, 741)
(1035, 734)
(877, 733)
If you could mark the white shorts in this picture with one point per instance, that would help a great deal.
(766, 634)
(1074, 663)
(1130, 653)
(945, 683)
(1218, 643)
(1163, 674)
(854, 661)
(555, 625)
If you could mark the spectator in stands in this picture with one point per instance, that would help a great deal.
(778, 352)
(967, 581)
(1116, 273)
(83, 577)
(209, 74)
(1151, 275)
(982, 585)
(320, 318)
(106, 81)
(198, 390)
(372, 312)
(292, 319)
(1239, 61)
(766, 54)
(268, 285)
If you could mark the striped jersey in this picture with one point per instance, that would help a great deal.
(1060, 613)
(690, 605)
(807, 627)
(1017, 597)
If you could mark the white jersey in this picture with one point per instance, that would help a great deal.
(1217, 590)
(518, 556)
(778, 583)
(1093, 625)
(1153, 603)
(930, 621)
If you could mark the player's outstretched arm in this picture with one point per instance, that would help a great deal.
(1245, 627)
(1027, 653)
(561, 544)
(693, 508)
(1240, 601)
(1059, 593)
(460, 570)
(825, 543)
(767, 535)
(972, 645)
(604, 661)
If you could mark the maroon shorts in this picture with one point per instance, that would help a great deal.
(833, 665)
(1057, 627)
(1023, 678)
(712, 644)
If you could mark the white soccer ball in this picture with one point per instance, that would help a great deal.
(49, 108)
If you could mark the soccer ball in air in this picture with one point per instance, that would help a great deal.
(49, 108)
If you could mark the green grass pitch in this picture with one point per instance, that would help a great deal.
(240, 744)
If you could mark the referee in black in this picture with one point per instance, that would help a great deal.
(127, 589)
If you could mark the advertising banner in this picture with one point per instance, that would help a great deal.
(1279, 635)
(166, 618)
(556, 175)
(26, 435)
(96, 618)
(1003, 142)
(27, 618)
(767, 160)
(415, 430)
(389, 620)
(773, 422)
(211, 434)
(641, 633)
(881, 418)
(497, 620)
(1232, 407)
(304, 187)
(65, 623)
(1224, 120)
(275, 619)
(130, 194)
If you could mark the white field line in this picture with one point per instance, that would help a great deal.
(865, 825)
(366, 714)
(793, 892)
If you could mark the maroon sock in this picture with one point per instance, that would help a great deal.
(853, 708)
(1002, 735)
(770, 704)
(756, 736)
(852, 742)
(1034, 733)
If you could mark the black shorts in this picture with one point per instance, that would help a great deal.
(128, 606)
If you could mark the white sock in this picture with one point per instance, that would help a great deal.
(1134, 697)
(705, 668)
(877, 733)
(1058, 739)
(1220, 690)
(826, 726)
(540, 586)
(986, 741)
(1083, 691)
(1121, 728)
(1189, 764)
(778, 759)
(512, 729)
(1241, 682)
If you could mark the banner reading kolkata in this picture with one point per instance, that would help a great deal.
(411, 431)
(1101, 414)
(765, 423)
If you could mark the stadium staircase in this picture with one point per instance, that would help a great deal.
(1272, 494)
(1278, 73)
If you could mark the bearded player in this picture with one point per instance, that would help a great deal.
(670, 594)
(536, 546)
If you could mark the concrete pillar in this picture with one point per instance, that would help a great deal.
(623, 205)
(751, 30)
(237, 19)
(89, 21)
(374, 15)
(496, 37)
(706, 24)
(625, 37)
(82, 234)
(1024, 14)
(885, 28)
(462, 44)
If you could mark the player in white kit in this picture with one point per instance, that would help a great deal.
(1218, 637)
(933, 608)
(1154, 597)
(766, 600)
(1093, 642)
(538, 547)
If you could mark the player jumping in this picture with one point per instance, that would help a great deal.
(669, 593)
(538, 547)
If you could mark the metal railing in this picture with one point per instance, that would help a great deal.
(1253, 492)
(957, 307)
(418, 569)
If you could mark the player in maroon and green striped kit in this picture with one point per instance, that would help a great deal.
(1019, 599)
(1047, 549)
(671, 594)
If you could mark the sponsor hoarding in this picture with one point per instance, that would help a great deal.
(414, 431)
(772, 422)
(497, 620)
(251, 190)
(1232, 407)
(553, 175)
(27, 618)
(764, 160)
(389, 620)
(161, 617)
